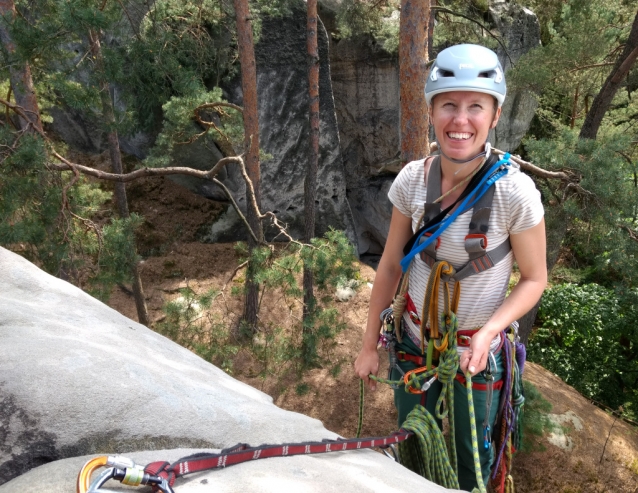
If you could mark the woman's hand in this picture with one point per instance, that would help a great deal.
(474, 359)
(366, 363)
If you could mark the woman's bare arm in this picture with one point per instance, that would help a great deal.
(383, 290)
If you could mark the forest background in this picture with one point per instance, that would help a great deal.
(169, 60)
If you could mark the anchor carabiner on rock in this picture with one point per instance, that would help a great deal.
(121, 469)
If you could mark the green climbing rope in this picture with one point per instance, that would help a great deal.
(429, 457)
(360, 420)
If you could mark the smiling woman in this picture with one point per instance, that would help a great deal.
(465, 90)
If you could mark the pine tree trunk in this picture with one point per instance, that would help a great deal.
(413, 58)
(310, 184)
(603, 99)
(19, 72)
(116, 167)
(245, 46)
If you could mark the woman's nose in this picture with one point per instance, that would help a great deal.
(460, 115)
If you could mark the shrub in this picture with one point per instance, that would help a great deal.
(588, 337)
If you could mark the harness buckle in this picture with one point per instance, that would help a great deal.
(438, 240)
(464, 340)
(479, 236)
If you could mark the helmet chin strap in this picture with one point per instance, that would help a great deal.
(485, 152)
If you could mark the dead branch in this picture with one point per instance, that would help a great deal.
(217, 106)
(233, 274)
(527, 166)
(237, 209)
(143, 172)
(633, 235)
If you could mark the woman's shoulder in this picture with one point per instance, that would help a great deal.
(414, 167)
(516, 181)
(412, 173)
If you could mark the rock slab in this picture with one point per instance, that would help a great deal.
(77, 379)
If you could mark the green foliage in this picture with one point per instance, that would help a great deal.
(115, 257)
(280, 346)
(189, 322)
(461, 23)
(536, 423)
(47, 217)
(378, 19)
(588, 337)
(602, 215)
(179, 127)
(581, 39)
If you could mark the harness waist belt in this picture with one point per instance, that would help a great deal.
(419, 360)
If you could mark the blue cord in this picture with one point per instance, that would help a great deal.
(486, 182)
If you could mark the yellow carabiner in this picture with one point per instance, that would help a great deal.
(84, 478)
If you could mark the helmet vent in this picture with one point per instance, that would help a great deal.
(446, 73)
(488, 75)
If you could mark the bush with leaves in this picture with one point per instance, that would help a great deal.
(588, 337)
(279, 346)
(188, 321)
(55, 220)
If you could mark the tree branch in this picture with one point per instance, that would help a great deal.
(459, 14)
(237, 210)
(632, 234)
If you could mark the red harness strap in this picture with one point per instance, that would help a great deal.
(244, 453)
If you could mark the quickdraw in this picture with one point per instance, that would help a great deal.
(162, 475)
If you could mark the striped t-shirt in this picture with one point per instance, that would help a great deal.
(516, 207)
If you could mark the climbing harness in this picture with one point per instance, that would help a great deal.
(476, 240)
(434, 459)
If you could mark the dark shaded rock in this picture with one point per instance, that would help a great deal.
(282, 87)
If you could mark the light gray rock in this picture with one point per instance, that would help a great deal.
(337, 472)
(78, 378)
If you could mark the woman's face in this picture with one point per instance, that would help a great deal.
(462, 121)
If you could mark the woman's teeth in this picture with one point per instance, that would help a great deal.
(460, 136)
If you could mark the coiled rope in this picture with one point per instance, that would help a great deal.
(427, 453)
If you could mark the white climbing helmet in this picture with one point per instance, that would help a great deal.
(466, 67)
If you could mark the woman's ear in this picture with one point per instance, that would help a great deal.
(497, 115)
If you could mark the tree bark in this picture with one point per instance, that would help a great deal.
(245, 46)
(108, 114)
(603, 99)
(310, 183)
(413, 58)
(19, 72)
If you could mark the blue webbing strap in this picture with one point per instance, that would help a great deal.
(488, 180)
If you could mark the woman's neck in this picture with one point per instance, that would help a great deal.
(453, 173)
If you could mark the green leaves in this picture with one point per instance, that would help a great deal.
(588, 338)
(291, 343)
